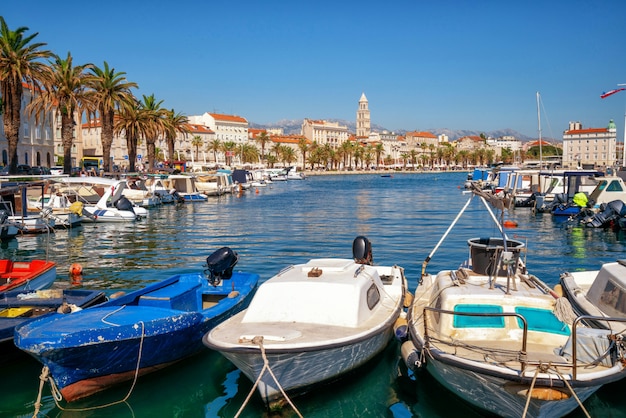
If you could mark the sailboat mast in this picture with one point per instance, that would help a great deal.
(539, 124)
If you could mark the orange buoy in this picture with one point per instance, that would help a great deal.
(510, 224)
(76, 269)
(257, 191)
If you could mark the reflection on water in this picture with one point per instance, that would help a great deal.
(288, 223)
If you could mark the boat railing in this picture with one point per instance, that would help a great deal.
(522, 352)
(609, 338)
(614, 337)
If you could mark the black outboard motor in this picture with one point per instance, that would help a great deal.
(4, 215)
(220, 264)
(362, 250)
(124, 204)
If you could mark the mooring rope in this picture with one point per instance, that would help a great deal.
(258, 340)
(546, 368)
(56, 393)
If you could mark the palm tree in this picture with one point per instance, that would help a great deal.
(66, 93)
(175, 123)
(111, 91)
(263, 138)
(228, 147)
(158, 125)
(380, 151)
(196, 141)
(135, 123)
(214, 145)
(20, 61)
(303, 146)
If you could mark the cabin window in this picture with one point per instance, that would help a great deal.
(614, 298)
(542, 320)
(614, 186)
(475, 321)
(373, 296)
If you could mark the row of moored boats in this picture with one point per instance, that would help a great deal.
(487, 329)
(46, 203)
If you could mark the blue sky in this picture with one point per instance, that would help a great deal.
(423, 65)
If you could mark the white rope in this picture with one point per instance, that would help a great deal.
(56, 393)
(266, 366)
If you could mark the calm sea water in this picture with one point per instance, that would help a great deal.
(287, 223)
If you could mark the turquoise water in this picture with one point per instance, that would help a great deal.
(287, 223)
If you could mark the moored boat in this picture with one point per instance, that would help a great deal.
(501, 340)
(20, 306)
(34, 274)
(312, 323)
(599, 293)
(137, 333)
(185, 187)
(112, 206)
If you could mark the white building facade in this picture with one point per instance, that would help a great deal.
(589, 146)
(36, 142)
(324, 132)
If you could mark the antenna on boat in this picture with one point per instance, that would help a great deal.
(539, 126)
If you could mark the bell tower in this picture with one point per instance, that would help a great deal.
(363, 127)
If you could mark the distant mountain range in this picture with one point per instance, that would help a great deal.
(291, 127)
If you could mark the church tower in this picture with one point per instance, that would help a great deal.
(363, 127)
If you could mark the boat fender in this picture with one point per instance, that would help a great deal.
(410, 355)
(67, 308)
(400, 328)
(558, 289)
(408, 299)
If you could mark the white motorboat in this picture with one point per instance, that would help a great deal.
(66, 211)
(139, 194)
(14, 202)
(294, 174)
(599, 293)
(501, 340)
(214, 184)
(313, 323)
(112, 206)
(186, 188)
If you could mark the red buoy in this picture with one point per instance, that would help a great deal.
(76, 269)
(510, 224)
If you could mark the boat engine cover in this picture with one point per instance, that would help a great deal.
(220, 264)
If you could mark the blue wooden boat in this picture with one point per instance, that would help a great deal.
(140, 332)
(20, 306)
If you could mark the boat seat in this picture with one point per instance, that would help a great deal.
(181, 296)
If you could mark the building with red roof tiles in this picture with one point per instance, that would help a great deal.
(418, 139)
(470, 143)
(324, 132)
(227, 128)
(590, 146)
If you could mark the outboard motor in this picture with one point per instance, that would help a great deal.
(220, 264)
(124, 204)
(362, 250)
(4, 215)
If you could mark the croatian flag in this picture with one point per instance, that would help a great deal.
(608, 93)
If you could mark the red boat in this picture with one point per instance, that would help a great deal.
(35, 274)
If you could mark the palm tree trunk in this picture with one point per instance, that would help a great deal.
(107, 138)
(12, 97)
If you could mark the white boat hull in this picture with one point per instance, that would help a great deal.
(490, 396)
(300, 369)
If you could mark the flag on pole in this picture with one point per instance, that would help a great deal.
(608, 93)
